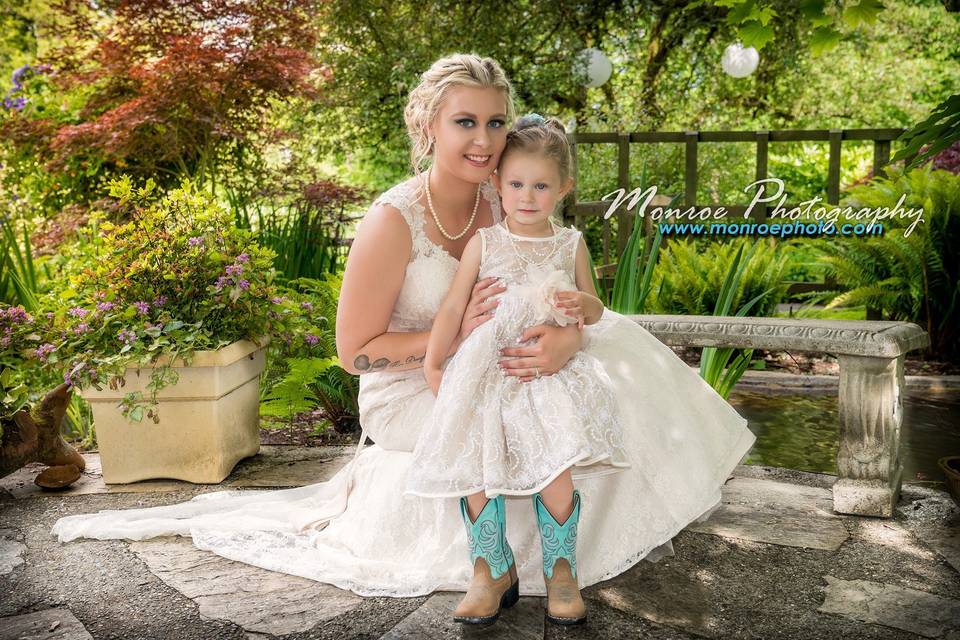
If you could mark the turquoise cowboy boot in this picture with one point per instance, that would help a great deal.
(495, 583)
(559, 545)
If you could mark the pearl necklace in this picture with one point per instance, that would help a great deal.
(476, 204)
(513, 244)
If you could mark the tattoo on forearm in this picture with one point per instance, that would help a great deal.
(362, 362)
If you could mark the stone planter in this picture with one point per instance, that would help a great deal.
(209, 419)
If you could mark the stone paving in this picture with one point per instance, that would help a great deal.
(773, 562)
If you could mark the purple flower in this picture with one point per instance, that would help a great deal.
(81, 328)
(44, 350)
(126, 337)
(311, 339)
(234, 269)
(160, 301)
(66, 378)
(104, 306)
(276, 300)
(77, 312)
(243, 257)
(17, 104)
(307, 305)
(18, 74)
(15, 315)
(195, 241)
(244, 284)
(142, 307)
(222, 281)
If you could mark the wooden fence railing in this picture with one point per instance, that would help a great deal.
(575, 211)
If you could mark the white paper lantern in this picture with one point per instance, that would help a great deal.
(738, 61)
(592, 67)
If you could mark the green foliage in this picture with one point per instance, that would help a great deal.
(907, 275)
(715, 363)
(692, 274)
(19, 359)
(307, 236)
(299, 384)
(939, 131)
(752, 20)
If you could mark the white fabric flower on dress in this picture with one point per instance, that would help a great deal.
(541, 287)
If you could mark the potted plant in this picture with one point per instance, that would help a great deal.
(168, 320)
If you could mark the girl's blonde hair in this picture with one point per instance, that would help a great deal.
(423, 105)
(534, 134)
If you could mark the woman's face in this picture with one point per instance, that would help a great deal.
(470, 132)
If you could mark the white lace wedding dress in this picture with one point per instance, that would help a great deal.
(358, 532)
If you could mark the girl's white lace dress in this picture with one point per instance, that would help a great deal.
(490, 432)
(359, 532)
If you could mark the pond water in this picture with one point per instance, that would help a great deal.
(802, 431)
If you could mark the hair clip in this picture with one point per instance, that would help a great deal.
(536, 117)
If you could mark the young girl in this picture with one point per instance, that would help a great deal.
(492, 435)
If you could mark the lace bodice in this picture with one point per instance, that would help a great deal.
(511, 256)
(431, 268)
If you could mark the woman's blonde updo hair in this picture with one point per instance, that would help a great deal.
(461, 69)
(547, 136)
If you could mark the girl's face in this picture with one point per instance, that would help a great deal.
(530, 187)
(470, 132)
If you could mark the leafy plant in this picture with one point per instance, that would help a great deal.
(691, 275)
(907, 275)
(20, 353)
(308, 235)
(177, 278)
(319, 379)
(715, 365)
(940, 130)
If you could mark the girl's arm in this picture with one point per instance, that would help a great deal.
(446, 324)
(584, 302)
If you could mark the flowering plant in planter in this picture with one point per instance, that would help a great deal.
(168, 276)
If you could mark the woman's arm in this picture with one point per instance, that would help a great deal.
(372, 279)
(449, 318)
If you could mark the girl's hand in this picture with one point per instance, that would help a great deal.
(553, 348)
(434, 377)
(571, 303)
(477, 309)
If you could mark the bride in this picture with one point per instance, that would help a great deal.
(358, 531)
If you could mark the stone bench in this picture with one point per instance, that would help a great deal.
(871, 381)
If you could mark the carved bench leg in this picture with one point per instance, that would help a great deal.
(868, 460)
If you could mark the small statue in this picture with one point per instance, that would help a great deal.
(26, 440)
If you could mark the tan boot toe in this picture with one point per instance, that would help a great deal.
(486, 596)
(564, 604)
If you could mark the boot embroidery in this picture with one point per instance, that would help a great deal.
(556, 540)
(486, 537)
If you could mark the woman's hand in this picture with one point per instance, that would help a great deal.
(553, 348)
(477, 309)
